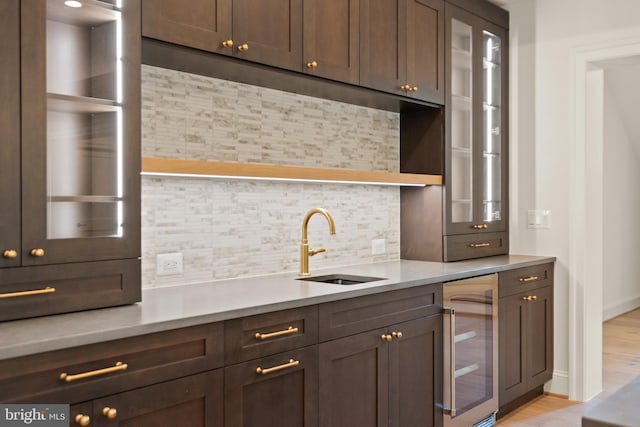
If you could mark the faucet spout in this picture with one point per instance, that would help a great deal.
(305, 252)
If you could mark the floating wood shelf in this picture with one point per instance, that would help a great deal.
(227, 170)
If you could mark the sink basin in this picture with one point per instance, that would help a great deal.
(341, 279)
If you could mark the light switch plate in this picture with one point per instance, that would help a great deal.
(539, 218)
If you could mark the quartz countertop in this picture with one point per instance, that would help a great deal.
(165, 308)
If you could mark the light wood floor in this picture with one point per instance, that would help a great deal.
(621, 363)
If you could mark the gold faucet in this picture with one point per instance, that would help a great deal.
(305, 252)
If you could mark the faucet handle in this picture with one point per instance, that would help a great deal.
(313, 252)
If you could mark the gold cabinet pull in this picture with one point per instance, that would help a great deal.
(396, 335)
(530, 298)
(289, 330)
(528, 279)
(47, 290)
(480, 226)
(405, 88)
(37, 252)
(312, 64)
(243, 47)
(479, 245)
(10, 254)
(110, 413)
(386, 337)
(83, 420)
(290, 364)
(227, 43)
(414, 89)
(73, 377)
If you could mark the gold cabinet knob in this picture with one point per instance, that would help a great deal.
(10, 254)
(414, 89)
(405, 88)
(243, 47)
(312, 64)
(397, 335)
(386, 337)
(110, 413)
(530, 298)
(37, 252)
(227, 43)
(82, 419)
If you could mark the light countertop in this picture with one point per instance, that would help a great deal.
(173, 307)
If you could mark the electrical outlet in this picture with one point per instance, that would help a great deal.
(168, 264)
(378, 246)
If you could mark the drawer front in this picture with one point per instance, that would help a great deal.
(53, 289)
(468, 246)
(264, 334)
(351, 316)
(83, 373)
(524, 279)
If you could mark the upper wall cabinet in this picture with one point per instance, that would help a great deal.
(201, 24)
(402, 47)
(394, 46)
(70, 152)
(331, 39)
(268, 32)
(476, 125)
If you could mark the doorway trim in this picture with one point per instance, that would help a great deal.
(587, 227)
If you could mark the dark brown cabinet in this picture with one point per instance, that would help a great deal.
(402, 47)
(201, 24)
(388, 376)
(267, 32)
(472, 221)
(190, 401)
(331, 43)
(278, 391)
(72, 147)
(526, 333)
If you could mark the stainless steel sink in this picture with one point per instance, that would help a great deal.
(341, 279)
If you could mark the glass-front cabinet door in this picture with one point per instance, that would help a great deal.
(475, 180)
(80, 131)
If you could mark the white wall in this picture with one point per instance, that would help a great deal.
(544, 36)
(621, 287)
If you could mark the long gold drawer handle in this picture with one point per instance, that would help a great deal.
(289, 330)
(47, 290)
(528, 279)
(73, 377)
(479, 245)
(290, 364)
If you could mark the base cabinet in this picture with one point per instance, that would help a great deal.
(194, 401)
(383, 377)
(273, 391)
(526, 333)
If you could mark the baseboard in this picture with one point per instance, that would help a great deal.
(559, 384)
(620, 307)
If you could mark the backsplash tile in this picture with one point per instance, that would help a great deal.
(228, 229)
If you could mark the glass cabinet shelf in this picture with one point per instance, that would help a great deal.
(80, 104)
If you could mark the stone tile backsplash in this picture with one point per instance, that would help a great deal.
(229, 228)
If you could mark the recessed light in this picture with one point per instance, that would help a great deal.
(72, 3)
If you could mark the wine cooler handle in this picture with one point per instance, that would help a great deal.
(451, 410)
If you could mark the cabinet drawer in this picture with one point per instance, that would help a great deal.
(468, 246)
(264, 334)
(109, 367)
(53, 289)
(355, 315)
(524, 279)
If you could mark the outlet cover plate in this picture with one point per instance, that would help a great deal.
(378, 246)
(168, 264)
